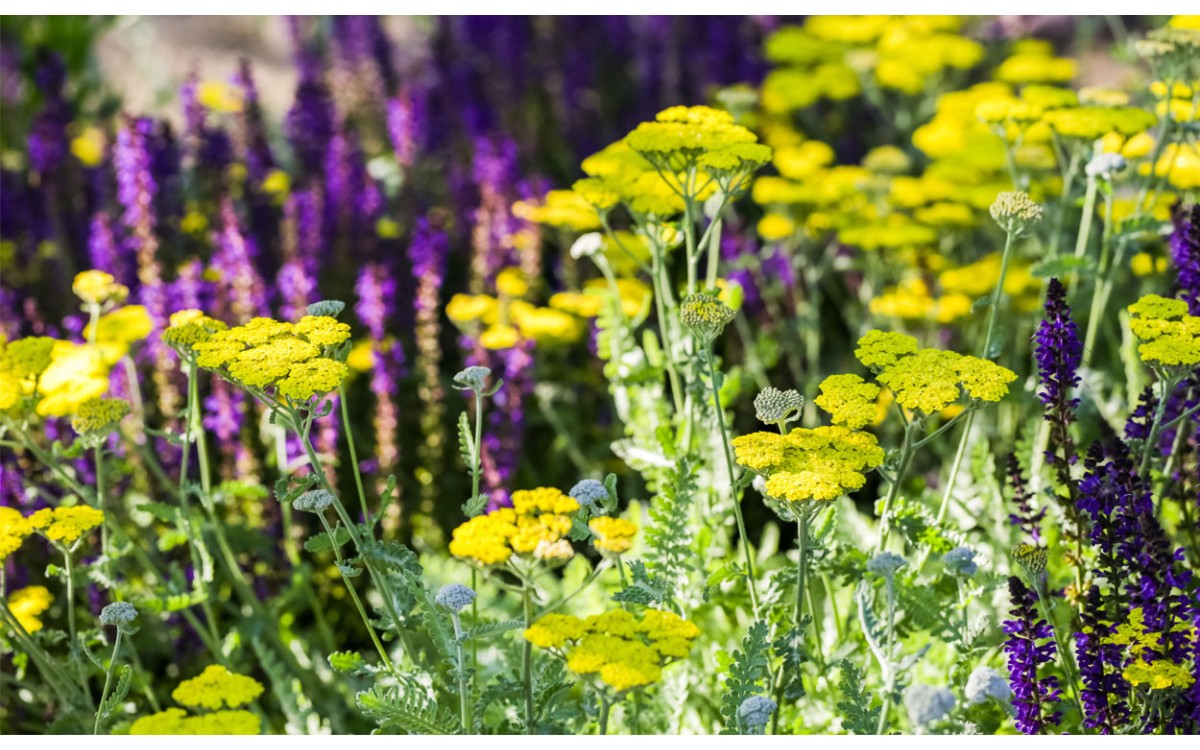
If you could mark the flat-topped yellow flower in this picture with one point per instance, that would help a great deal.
(539, 519)
(848, 399)
(66, 524)
(1170, 336)
(809, 464)
(28, 605)
(614, 536)
(216, 687)
(623, 651)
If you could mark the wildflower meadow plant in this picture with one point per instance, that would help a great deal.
(831, 376)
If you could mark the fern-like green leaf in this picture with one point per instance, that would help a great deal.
(405, 709)
(858, 716)
(668, 536)
(747, 676)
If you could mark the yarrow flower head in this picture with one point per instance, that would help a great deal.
(473, 378)
(961, 561)
(705, 315)
(1171, 336)
(755, 713)
(99, 416)
(986, 684)
(773, 406)
(818, 464)
(886, 564)
(118, 613)
(849, 400)
(99, 288)
(313, 501)
(613, 536)
(926, 704)
(455, 597)
(538, 516)
(1016, 213)
(28, 605)
(216, 687)
(66, 524)
(590, 493)
(626, 652)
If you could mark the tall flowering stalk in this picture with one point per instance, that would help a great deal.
(376, 288)
(1105, 692)
(1185, 253)
(136, 190)
(1059, 354)
(427, 256)
(1027, 517)
(1029, 646)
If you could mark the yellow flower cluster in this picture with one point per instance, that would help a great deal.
(625, 652)
(28, 605)
(175, 721)
(99, 288)
(848, 399)
(1148, 667)
(219, 693)
(99, 415)
(1171, 336)
(65, 524)
(504, 321)
(188, 328)
(14, 527)
(829, 53)
(216, 687)
(977, 279)
(911, 300)
(613, 536)
(538, 518)
(565, 209)
(818, 464)
(929, 380)
(293, 359)
(62, 375)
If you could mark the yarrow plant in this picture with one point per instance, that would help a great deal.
(375, 410)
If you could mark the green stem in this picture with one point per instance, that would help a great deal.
(107, 681)
(1168, 386)
(358, 481)
(729, 463)
(961, 452)
(906, 454)
(604, 709)
(341, 564)
(1085, 225)
(527, 655)
(1100, 288)
(890, 673)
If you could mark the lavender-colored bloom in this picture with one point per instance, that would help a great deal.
(1185, 254)
(241, 293)
(1030, 644)
(376, 289)
(1059, 354)
(406, 123)
(103, 254)
(1105, 691)
(48, 134)
(207, 146)
(255, 149)
(309, 123)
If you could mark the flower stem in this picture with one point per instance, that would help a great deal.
(107, 681)
(341, 564)
(358, 482)
(906, 454)
(737, 506)
(1168, 387)
(463, 689)
(889, 669)
(604, 709)
(527, 655)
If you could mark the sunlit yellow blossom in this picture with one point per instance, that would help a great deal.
(99, 415)
(623, 652)
(818, 464)
(14, 527)
(500, 337)
(322, 330)
(175, 721)
(88, 146)
(216, 687)
(313, 378)
(879, 349)
(613, 535)
(466, 308)
(98, 288)
(567, 209)
(28, 605)
(848, 399)
(122, 327)
(66, 524)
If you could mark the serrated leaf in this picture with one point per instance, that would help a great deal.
(642, 588)
(405, 709)
(748, 675)
(116, 697)
(1062, 266)
(476, 505)
(858, 716)
(349, 570)
(346, 662)
(322, 543)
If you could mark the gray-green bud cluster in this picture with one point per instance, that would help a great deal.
(705, 315)
(313, 501)
(772, 406)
